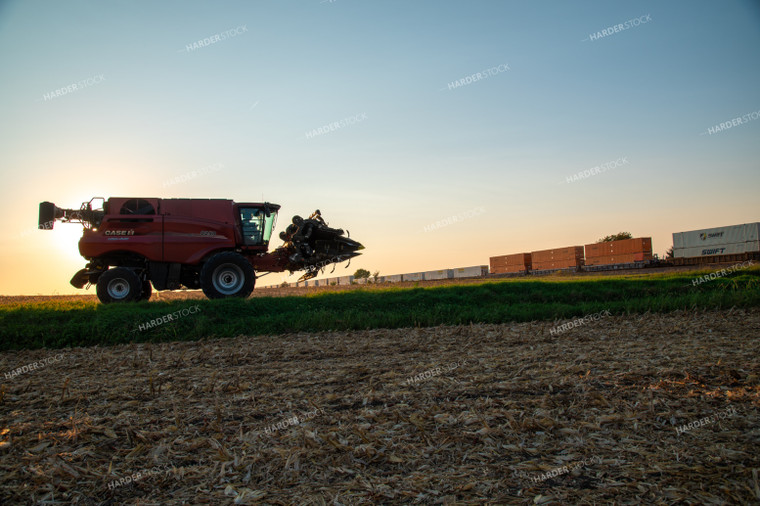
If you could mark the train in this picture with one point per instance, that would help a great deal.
(732, 243)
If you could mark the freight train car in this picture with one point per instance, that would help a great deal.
(569, 258)
(733, 243)
(520, 263)
(440, 274)
(622, 254)
(476, 271)
(608, 255)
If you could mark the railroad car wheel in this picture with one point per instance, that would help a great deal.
(147, 290)
(119, 285)
(227, 274)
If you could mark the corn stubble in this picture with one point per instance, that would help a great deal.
(602, 400)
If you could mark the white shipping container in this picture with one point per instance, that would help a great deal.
(443, 274)
(719, 249)
(414, 276)
(733, 234)
(753, 231)
(394, 278)
(471, 272)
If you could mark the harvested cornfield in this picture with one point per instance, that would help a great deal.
(659, 409)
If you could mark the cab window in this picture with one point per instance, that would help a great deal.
(252, 220)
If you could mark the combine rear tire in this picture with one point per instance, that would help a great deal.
(119, 285)
(227, 274)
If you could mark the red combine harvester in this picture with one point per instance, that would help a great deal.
(214, 244)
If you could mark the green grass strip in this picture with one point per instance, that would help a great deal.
(65, 324)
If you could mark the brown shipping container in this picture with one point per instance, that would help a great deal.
(511, 269)
(521, 260)
(507, 269)
(609, 259)
(572, 252)
(496, 265)
(518, 259)
(557, 264)
(626, 246)
(515, 259)
(622, 258)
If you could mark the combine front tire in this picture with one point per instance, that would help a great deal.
(119, 285)
(147, 290)
(227, 274)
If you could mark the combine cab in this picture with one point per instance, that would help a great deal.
(135, 245)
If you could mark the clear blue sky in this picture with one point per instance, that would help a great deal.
(424, 152)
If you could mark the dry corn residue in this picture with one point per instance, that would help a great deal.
(588, 416)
